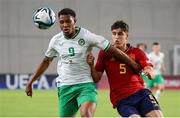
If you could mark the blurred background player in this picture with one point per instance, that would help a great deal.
(143, 47)
(157, 59)
(76, 89)
(127, 91)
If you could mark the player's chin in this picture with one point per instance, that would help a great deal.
(66, 33)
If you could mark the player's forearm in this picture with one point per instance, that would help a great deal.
(148, 71)
(95, 74)
(41, 69)
(120, 55)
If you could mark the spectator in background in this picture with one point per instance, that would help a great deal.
(157, 59)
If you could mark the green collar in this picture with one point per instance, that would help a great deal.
(77, 32)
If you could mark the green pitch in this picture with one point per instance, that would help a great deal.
(14, 103)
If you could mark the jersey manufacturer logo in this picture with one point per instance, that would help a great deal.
(81, 42)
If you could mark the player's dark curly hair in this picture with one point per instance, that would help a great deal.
(120, 24)
(67, 11)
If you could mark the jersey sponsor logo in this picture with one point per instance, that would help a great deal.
(81, 42)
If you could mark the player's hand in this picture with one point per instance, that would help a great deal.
(29, 90)
(148, 71)
(90, 59)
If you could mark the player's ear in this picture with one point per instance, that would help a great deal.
(127, 36)
(75, 19)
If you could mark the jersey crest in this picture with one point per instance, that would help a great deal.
(81, 42)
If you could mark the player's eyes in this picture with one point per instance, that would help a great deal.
(120, 33)
(66, 21)
(114, 33)
(61, 22)
(117, 33)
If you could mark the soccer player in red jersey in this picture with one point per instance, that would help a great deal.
(127, 91)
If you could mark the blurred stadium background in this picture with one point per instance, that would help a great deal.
(22, 47)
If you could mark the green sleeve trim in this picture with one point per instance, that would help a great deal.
(107, 47)
(50, 57)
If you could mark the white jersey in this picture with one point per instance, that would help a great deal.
(157, 61)
(72, 67)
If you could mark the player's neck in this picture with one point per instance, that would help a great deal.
(123, 48)
(70, 35)
(73, 34)
(156, 53)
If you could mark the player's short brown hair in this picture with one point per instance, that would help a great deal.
(120, 24)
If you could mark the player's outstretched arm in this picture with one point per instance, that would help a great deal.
(42, 67)
(120, 55)
(148, 71)
(95, 74)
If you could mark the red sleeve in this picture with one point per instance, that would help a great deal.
(142, 58)
(100, 62)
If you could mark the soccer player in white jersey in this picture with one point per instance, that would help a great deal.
(76, 89)
(157, 59)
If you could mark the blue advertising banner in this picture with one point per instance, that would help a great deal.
(19, 81)
(48, 81)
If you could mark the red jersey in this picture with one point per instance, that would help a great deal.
(123, 81)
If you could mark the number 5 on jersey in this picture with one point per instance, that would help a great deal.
(122, 68)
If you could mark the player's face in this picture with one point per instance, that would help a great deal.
(119, 38)
(142, 47)
(156, 48)
(67, 24)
